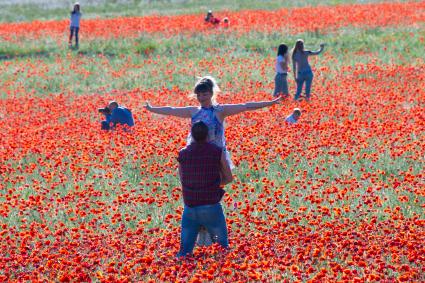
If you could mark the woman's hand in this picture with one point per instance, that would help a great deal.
(148, 106)
(277, 100)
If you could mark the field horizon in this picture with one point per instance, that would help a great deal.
(29, 10)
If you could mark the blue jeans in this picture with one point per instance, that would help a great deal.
(307, 77)
(209, 216)
(105, 125)
(280, 84)
(72, 31)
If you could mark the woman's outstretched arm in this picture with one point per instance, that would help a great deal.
(233, 109)
(322, 46)
(182, 112)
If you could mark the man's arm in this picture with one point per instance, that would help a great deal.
(233, 109)
(226, 172)
(182, 112)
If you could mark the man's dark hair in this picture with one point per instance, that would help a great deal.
(113, 103)
(199, 131)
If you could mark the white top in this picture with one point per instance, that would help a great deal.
(279, 68)
(75, 19)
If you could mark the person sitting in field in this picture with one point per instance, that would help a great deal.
(116, 114)
(211, 19)
(203, 171)
(293, 118)
(226, 22)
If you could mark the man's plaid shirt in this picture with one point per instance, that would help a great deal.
(200, 174)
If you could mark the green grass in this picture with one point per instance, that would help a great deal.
(45, 67)
(16, 11)
(132, 63)
(11, 50)
(109, 189)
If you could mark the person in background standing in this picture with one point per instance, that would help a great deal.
(301, 67)
(281, 67)
(116, 114)
(75, 24)
(209, 18)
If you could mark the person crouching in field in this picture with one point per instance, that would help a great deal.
(115, 114)
(203, 171)
(210, 19)
(226, 23)
(75, 24)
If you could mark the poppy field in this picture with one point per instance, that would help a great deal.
(337, 197)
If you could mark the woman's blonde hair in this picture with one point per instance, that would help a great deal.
(206, 84)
